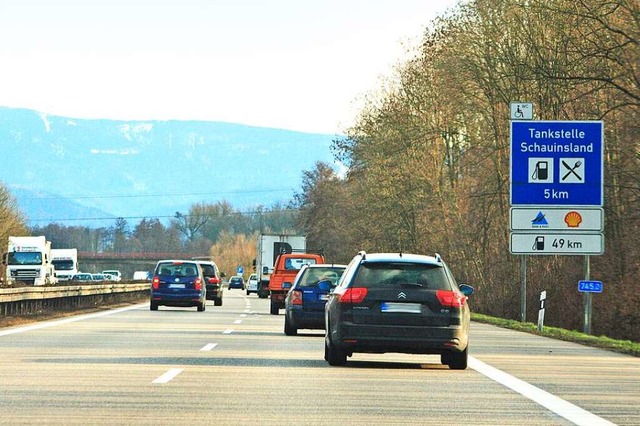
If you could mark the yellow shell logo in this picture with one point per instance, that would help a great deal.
(573, 219)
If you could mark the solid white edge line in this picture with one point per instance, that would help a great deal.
(168, 376)
(208, 347)
(53, 323)
(551, 402)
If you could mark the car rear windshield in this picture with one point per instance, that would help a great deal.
(295, 263)
(177, 269)
(394, 274)
(208, 270)
(313, 275)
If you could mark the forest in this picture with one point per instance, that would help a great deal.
(428, 163)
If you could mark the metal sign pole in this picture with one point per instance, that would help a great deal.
(523, 288)
(587, 297)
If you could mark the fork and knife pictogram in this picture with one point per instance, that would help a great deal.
(572, 170)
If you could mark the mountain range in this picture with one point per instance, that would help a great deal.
(75, 171)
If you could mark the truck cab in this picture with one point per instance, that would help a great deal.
(285, 269)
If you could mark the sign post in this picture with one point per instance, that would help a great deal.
(557, 190)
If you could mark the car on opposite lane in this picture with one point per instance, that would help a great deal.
(178, 283)
(305, 301)
(398, 302)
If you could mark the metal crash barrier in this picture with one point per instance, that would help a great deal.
(33, 300)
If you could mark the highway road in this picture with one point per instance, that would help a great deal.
(233, 365)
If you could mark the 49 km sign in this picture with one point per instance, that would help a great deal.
(557, 163)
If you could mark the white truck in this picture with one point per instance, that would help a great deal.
(269, 247)
(28, 260)
(65, 263)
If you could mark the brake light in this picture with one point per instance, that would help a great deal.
(353, 295)
(156, 283)
(197, 283)
(451, 299)
(296, 297)
(214, 280)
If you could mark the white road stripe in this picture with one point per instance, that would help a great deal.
(551, 402)
(169, 375)
(53, 323)
(208, 347)
(243, 315)
(228, 331)
(237, 322)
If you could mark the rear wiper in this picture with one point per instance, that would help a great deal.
(413, 284)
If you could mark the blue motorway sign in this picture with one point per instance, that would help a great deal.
(557, 163)
(239, 270)
(590, 286)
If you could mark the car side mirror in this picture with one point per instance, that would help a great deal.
(467, 290)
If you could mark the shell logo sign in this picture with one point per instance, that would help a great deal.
(573, 219)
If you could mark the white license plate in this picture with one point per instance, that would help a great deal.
(176, 285)
(408, 308)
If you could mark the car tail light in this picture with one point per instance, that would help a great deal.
(296, 297)
(197, 283)
(353, 295)
(451, 299)
(214, 280)
(156, 283)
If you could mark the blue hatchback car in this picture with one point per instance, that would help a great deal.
(178, 283)
(304, 304)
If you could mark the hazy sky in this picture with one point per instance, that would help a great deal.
(294, 64)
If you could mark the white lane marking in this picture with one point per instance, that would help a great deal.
(208, 347)
(53, 323)
(237, 322)
(551, 402)
(247, 310)
(169, 375)
(243, 315)
(228, 331)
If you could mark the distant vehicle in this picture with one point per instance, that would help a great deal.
(305, 301)
(178, 283)
(99, 277)
(268, 248)
(252, 284)
(115, 274)
(82, 277)
(398, 302)
(65, 263)
(28, 260)
(213, 281)
(236, 282)
(142, 276)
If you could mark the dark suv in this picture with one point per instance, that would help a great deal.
(398, 302)
(213, 281)
(178, 283)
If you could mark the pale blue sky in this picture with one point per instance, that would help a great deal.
(299, 65)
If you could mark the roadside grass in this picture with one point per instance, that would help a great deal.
(622, 346)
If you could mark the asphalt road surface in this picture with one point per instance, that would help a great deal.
(232, 364)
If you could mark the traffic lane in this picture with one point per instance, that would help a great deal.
(251, 365)
(602, 382)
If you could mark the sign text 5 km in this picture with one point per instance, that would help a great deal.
(557, 163)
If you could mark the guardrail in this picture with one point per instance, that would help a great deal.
(31, 300)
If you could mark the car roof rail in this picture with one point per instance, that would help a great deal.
(438, 258)
(363, 254)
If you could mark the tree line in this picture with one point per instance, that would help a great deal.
(428, 157)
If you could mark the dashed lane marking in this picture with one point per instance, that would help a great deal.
(168, 376)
